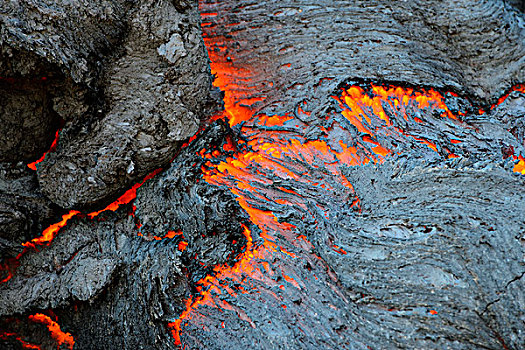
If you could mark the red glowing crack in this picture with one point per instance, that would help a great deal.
(127, 197)
(51, 149)
(54, 328)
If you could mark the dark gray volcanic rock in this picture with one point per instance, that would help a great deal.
(132, 79)
(97, 267)
(302, 50)
(24, 210)
(180, 200)
(125, 288)
(444, 239)
(155, 92)
(432, 258)
(62, 42)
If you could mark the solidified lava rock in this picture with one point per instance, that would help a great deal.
(50, 57)
(131, 79)
(24, 210)
(442, 238)
(154, 90)
(112, 276)
(421, 251)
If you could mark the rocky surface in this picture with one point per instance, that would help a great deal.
(262, 234)
(131, 80)
(155, 92)
(24, 211)
(433, 238)
(307, 48)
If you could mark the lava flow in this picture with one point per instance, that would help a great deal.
(54, 329)
(24, 344)
(60, 337)
(283, 169)
(285, 173)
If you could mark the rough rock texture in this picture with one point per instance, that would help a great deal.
(132, 79)
(421, 248)
(109, 265)
(179, 200)
(28, 124)
(154, 91)
(431, 258)
(24, 210)
(433, 238)
(62, 42)
(307, 48)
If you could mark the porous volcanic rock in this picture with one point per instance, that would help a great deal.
(154, 90)
(130, 80)
(418, 244)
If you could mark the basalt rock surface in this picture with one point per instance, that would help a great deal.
(306, 49)
(132, 80)
(24, 211)
(263, 234)
(155, 92)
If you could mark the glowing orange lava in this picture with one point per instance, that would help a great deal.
(54, 329)
(23, 343)
(127, 197)
(279, 153)
(520, 165)
(519, 87)
(51, 149)
(50, 233)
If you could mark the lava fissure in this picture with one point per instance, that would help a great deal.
(279, 153)
(52, 148)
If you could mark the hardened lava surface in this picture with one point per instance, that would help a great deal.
(361, 188)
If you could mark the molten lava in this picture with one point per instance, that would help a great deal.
(281, 158)
(54, 329)
(51, 149)
(127, 197)
(56, 333)
(50, 233)
(23, 343)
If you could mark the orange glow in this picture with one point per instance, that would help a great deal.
(520, 165)
(366, 110)
(172, 234)
(339, 250)
(209, 283)
(182, 245)
(519, 87)
(433, 312)
(127, 197)
(50, 233)
(10, 266)
(279, 153)
(25, 345)
(286, 155)
(51, 149)
(54, 328)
